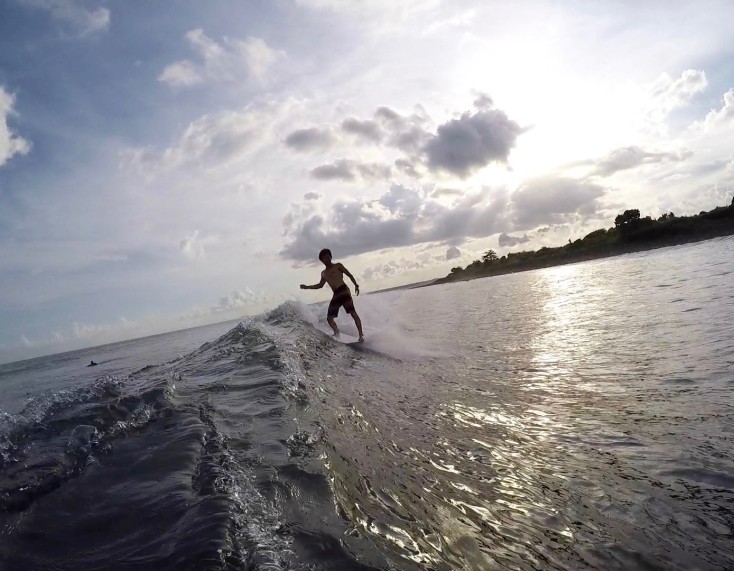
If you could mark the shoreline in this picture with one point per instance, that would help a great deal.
(564, 262)
(631, 234)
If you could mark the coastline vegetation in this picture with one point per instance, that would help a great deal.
(630, 233)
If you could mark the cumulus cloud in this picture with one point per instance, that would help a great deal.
(630, 157)
(459, 147)
(409, 133)
(464, 145)
(723, 116)
(555, 200)
(311, 196)
(483, 101)
(369, 130)
(347, 171)
(400, 217)
(240, 299)
(505, 240)
(669, 94)
(312, 138)
(10, 143)
(228, 60)
(452, 252)
(74, 14)
(393, 268)
(340, 170)
(354, 227)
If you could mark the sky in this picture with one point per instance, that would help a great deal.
(170, 164)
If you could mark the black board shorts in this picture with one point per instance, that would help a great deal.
(342, 297)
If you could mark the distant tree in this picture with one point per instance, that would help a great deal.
(667, 216)
(489, 256)
(595, 234)
(457, 269)
(474, 265)
(627, 218)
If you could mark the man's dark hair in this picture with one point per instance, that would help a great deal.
(325, 251)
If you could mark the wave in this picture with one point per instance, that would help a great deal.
(201, 462)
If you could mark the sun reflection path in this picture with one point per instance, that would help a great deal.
(502, 480)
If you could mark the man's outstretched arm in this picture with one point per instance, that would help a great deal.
(316, 286)
(351, 277)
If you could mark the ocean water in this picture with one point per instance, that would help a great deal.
(577, 417)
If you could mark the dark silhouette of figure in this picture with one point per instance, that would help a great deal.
(92, 364)
(334, 274)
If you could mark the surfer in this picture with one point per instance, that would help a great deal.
(334, 276)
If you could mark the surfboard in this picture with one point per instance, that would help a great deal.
(354, 344)
(343, 338)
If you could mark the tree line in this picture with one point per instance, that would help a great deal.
(631, 232)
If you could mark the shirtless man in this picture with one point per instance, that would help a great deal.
(334, 276)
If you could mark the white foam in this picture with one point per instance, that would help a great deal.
(383, 328)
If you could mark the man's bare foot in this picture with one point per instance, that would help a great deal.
(361, 339)
(335, 334)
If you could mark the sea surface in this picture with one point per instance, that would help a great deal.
(577, 417)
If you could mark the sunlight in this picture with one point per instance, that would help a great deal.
(571, 299)
(568, 116)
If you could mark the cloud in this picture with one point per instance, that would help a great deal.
(471, 142)
(91, 331)
(505, 240)
(312, 138)
(394, 268)
(354, 227)
(192, 247)
(73, 14)
(406, 132)
(439, 192)
(10, 143)
(181, 74)
(348, 171)
(554, 200)
(240, 299)
(400, 217)
(340, 170)
(669, 94)
(311, 196)
(210, 141)
(483, 101)
(723, 116)
(630, 157)
(453, 252)
(369, 130)
(407, 167)
(460, 146)
(228, 61)
(260, 57)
